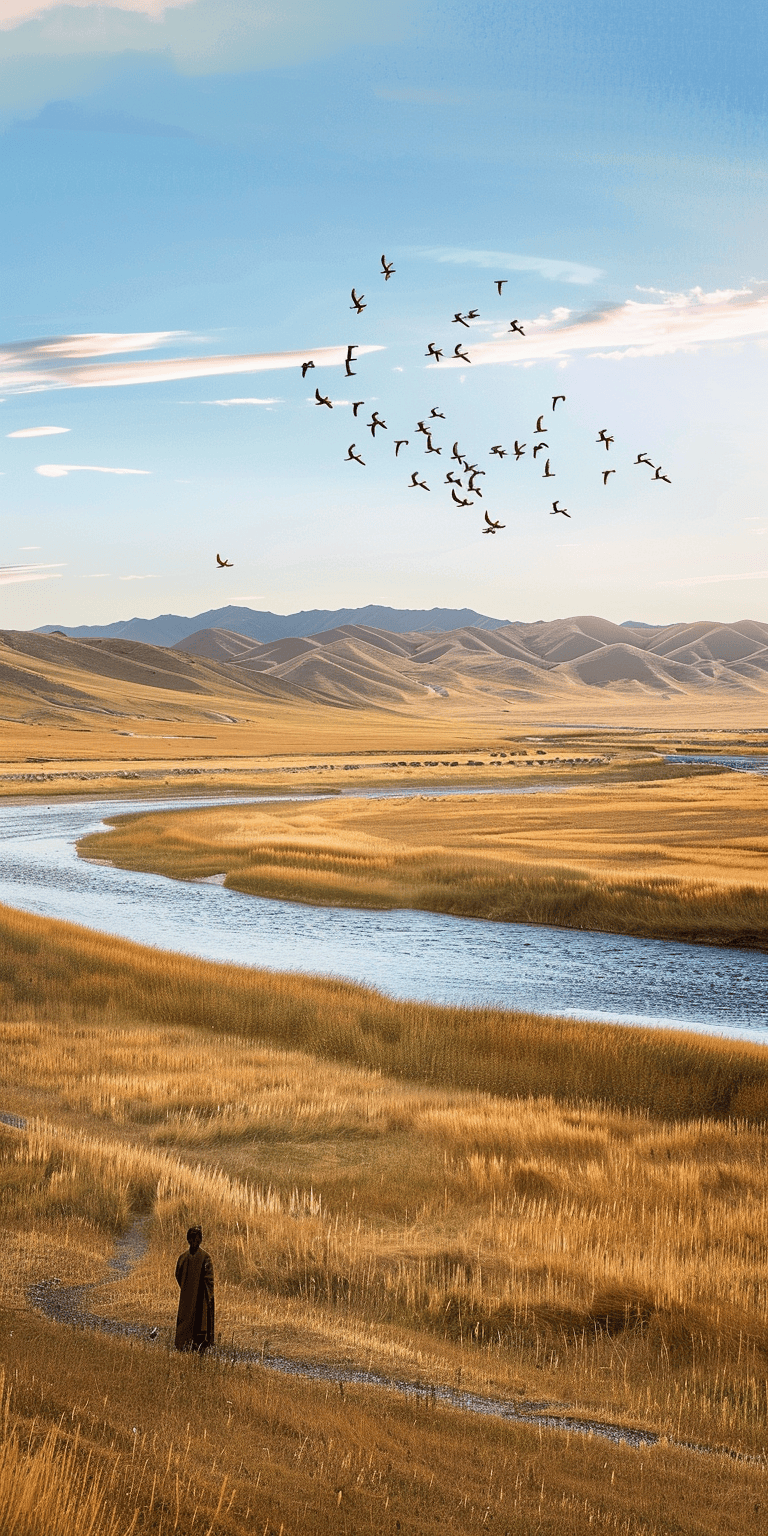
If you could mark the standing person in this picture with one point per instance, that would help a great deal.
(194, 1275)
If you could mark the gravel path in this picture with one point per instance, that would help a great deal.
(72, 1304)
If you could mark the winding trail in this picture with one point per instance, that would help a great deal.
(71, 1304)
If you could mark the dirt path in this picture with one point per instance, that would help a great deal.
(72, 1304)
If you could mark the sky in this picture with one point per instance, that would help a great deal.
(192, 189)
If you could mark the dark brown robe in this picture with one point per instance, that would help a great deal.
(194, 1323)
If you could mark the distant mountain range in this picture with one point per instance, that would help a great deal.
(170, 628)
(350, 663)
(485, 665)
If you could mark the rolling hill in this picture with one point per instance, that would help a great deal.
(357, 663)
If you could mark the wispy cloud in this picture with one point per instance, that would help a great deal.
(57, 471)
(37, 432)
(509, 261)
(14, 12)
(148, 577)
(35, 366)
(707, 581)
(13, 573)
(272, 400)
(677, 322)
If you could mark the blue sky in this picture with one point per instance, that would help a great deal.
(207, 181)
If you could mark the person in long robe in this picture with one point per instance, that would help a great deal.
(194, 1275)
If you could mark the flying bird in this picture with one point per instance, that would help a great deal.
(659, 476)
(537, 448)
(433, 351)
(519, 449)
(356, 404)
(459, 457)
(489, 530)
(642, 458)
(452, 479)
(357, 303)
(458, 319)
(549, 474)
(475, 489)
(473, 314)
(401, 442)
(492, 524)
(387, 269)
(500, 283)
(420, 427)
(459, 500)
(375, 422)
(416, 481)
(352, 455)
(349, 371)
(222, 563)
(501, 453)
(457, 352)
(604, 438)
(323, 400)
(538, 427)
(514, 325)
(435, 412)
(562, 510)
(304, 368)
(606, 473)
(555, 399)
(430, 447)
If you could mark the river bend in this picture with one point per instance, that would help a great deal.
(421, 955)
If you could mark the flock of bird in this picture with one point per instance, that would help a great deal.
(464, 475)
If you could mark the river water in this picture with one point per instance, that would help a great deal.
(420, 955)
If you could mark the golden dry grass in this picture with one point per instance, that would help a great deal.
(53, 971)
(171, 1434)
(679, 859)
(47, 1485)
(365, 1202)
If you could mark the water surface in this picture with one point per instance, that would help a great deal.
(421, 955)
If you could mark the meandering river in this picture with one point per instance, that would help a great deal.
(421, 955)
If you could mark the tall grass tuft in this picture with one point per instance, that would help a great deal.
(53, 970)
(47, 1488)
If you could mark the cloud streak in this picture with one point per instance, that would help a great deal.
(675, 322)
(37, 432)
(58, 471)
(14, 12)
(59, 362)
(507, 261)
(13, 573)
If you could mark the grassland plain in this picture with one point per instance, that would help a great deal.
(535, 1208)
(675, 858)
(119, 717)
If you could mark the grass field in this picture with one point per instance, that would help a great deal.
(127, 719)
(541, 1209)
(669, 857)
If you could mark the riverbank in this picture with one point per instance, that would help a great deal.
(536, 1209)
(665, 857)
